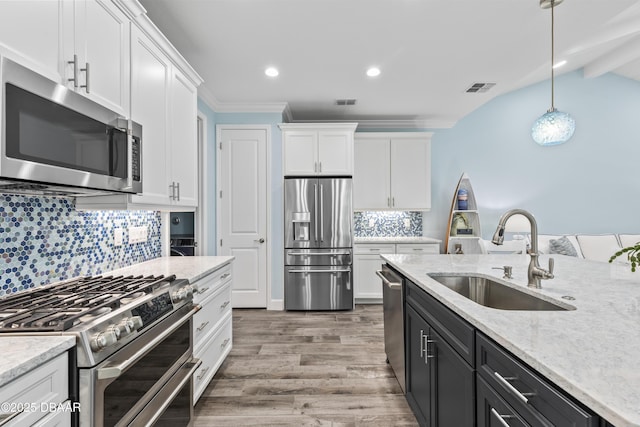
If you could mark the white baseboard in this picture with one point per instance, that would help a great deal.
(276, 305)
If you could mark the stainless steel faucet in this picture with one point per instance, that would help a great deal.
(535, 273)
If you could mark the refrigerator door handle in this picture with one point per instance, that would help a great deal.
(347, 270)
(321, 213)
(315, 211)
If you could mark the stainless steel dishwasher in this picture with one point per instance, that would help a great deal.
(393, 308)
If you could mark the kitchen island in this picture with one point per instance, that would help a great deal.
(590, 352)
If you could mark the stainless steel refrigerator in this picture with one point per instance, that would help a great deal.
(318, 244)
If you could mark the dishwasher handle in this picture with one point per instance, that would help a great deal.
(390, 284)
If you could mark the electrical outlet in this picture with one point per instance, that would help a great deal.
(137, 234)
(407, 223)
(372, 222)
(118, 236)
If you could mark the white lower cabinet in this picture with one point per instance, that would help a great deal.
(367, 286)
(46, 385)
(212, 333)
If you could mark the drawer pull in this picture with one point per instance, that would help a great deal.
(224, 276)
(501, 418)
(418, 249)
(202, 372)
(374, 249)
(225, 342)
(202, 326)
(505, 382)
(202, 291)
(223, 306)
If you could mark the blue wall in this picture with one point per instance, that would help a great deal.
(586, 185)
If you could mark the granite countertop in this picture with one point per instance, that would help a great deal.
(592, 352)
(184, 267)
(396, 239)
(28, 352)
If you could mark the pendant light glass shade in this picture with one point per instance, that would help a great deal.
(553, 127)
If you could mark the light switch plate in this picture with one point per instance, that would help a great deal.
(372, 222)
(118, 236)
(407, 223)
(137, 234)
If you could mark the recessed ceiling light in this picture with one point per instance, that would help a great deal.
(559, 64)
(373, 72)
(271, 72)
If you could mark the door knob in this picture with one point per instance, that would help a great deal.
(260, 240)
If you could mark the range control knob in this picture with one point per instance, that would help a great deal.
(103, 339)
(135, 323)
(180, 295)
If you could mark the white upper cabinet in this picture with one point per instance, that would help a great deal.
(318, 148)
(31, 33)
(83, 44)
(150, 85)
(183, 161)
(392, 171)
(100, 45)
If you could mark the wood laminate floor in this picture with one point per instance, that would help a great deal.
(305, 369)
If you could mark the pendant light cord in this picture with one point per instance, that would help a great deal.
(552, 55)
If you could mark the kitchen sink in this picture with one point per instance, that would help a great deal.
(493, 294)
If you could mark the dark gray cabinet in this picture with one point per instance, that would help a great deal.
(440, 382)
(457, 376)
(537, 401)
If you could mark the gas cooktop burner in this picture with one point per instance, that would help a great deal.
(64, 305)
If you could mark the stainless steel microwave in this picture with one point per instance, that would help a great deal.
(58, 142)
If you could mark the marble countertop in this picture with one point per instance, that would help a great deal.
(396, 239)
(184, 267)
(22, 354)
(592, 352)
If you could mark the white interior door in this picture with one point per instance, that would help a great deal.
(242, 210)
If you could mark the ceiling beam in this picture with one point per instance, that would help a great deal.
(628, 52)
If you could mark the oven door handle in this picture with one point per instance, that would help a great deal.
(117, 370)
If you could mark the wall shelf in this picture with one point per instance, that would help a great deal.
(463, 228)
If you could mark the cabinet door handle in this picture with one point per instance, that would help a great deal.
(202, 326)
(501, 418)
(223, 306)
(178, 187)
(203, 290)
(320, 168)
(87, 71)
(389, 202)
(517, 393)
(75, 71)
(315, 167)
(225, 342)
(393, 201)
(225, 275)
(202, 372)
(422, 349)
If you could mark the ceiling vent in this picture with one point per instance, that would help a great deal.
(350, 101)
(480, 87)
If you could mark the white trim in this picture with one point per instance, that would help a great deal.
(268, 130)
(165, 233)
(276, 305)
(202, 229)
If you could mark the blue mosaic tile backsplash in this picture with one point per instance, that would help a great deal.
(44, 240)
(387, 224)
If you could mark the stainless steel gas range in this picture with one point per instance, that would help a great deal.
(134, 362)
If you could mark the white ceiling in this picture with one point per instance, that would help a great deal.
(429, 51)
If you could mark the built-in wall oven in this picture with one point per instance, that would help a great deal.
(56, 141)
(133, 361)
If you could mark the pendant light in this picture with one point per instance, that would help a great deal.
(553, 127)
